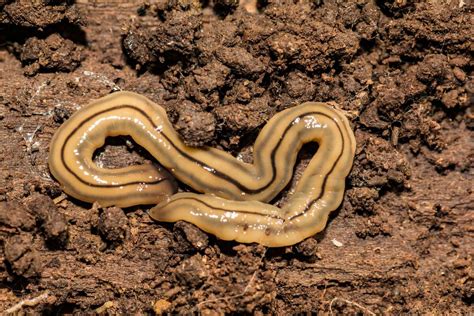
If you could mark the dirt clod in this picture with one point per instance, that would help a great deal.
(168, 43)
(191, 272)
(191, 234)
(23, 259)
(15, 215)
(113, 224)
(51, 54)
(308, 248)
(38, 14)
(388, 166)
(53, 223)
(198, 126)
(161, 306)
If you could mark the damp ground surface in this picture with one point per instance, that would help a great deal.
(402, 240)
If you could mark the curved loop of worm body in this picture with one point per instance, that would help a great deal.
(234, 206)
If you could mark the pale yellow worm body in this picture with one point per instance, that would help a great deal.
(233, 207)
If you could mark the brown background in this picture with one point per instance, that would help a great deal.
(402, 242)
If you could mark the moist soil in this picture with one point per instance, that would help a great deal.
(402, 240)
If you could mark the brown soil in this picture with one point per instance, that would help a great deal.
(402, 242)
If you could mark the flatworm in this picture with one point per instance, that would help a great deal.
(234, 205)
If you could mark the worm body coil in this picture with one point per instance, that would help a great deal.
(234, 204)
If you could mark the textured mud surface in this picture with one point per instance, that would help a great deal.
(402, 241)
